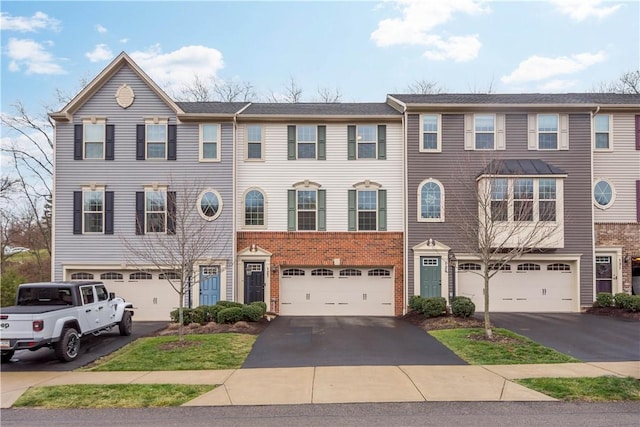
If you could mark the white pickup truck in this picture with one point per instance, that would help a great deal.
(58, 314)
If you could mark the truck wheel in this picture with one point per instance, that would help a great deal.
(125, 325)
(68, 348)
(7, 355)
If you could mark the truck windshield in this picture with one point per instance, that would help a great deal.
(45, 296)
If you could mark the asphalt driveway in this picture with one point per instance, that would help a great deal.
(587, 337)
(346, 341)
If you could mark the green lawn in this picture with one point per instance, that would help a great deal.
(110, 396)
(207, 351)
(507, 348)
(599, 389)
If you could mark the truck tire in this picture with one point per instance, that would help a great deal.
(68, 348)
(126, 325)
(7, 355)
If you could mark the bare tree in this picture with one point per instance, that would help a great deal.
(232, 91)
(292, 92)
(328, 95)
(197, 90)
(175, 245)
(489, 88)
(503, 222)
(628, 82)
(424, 87)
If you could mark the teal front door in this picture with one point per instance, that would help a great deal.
(209, 284)
(430, 276)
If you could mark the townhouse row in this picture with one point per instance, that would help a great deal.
(346, 208)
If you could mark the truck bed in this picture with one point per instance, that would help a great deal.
(32, 309)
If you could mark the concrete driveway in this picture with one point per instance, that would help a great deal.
(587, 337)
(346, 341)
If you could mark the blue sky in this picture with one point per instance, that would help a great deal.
(365, 49)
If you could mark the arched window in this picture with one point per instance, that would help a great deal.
(469, 266)
(350, 272)
(140, 275)
(558, 267)
(380, 272)
(254, 208)
(528, 267)
(322, 272)
(499, 266)
(111, 276)
(431, 201)
(169, 275)
(82, 276)
(209, 204)
(291, 272)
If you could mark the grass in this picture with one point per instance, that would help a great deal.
(209, 351)
(110, 396)
(599, 389)
(507, 348)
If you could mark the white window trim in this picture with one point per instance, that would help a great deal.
(199, 201)
(557, 132)
(367, 186)
(613, 194)
(536, 197)
(306, 185)
(99, 188)
(152, 188)
(264, 207)
(94, 121)
(593, 136)
(499, 132)
(202, 142)
(476, 133)
(315, 143)
(156, 121)
(419, 212)
(262, 144)
(374, 142)
(438, 148)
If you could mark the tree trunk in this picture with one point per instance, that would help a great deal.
(181, 318)
(487, 322)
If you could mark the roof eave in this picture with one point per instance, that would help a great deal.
(318, 117)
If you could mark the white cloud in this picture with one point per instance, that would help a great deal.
(23, 24)
(579, 10)
(100, 53)
(419, 20)
(176, 69)
(100, 29)
(124, 41)
(539, 68)
(32, 56)
(558, 85)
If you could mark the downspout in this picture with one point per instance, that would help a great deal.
(405, 240)
(593, 213)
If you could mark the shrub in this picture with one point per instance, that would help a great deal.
(621, 300)
(261, 305)
(462, 307)
(415, 303)
(603, 299)
(187, 316)
(252, 313)
(221, 305)
(9, 283)
(203, 314)
(634, 303)
(229, 304)
(230, 315)
(434, 306)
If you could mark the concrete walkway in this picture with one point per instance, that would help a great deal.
(337, 384)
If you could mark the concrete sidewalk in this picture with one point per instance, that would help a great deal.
(353, 384)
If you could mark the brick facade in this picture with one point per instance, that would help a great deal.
(626, 236)
(298, 249)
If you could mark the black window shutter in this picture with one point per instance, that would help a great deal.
(173, 142)
(139, 212)
(322, 142)
(171, 212)
(108, 212)
(291, 142)
(77, 142)
(109, 142)
(77, 212)
(140, 139)
(382, 142)
(351, 142)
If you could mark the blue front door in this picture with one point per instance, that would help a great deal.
(209, 284)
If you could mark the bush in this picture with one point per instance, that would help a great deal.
(434, 306)
(415, 303)
(603, 299)
(462, 307)
(9, 285)
(204, 314)
(634, 303)
(188, 316)
(252, 313)
(230, 315)
(229, 304)
(261, 305)
(621, 300)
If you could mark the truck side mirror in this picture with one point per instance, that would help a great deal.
(112, 295)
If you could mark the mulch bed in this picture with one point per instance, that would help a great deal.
(613, 312)
(251, 328)
(442, 322)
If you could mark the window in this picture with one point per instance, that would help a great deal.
(140, 275)
(469, 266)
(306, 142)
(558, 267)
(102, 293)
(547, 132)
(523, 199)
(367, 141)
(87, 294)
(350, 272)
(431, 200)
(254, 142)
(292, 272)
(484, 128)
(602, 127)
(307, 209)
(156, 140)
(94, 140)
(500, 267)
(155, 211)
(93, 211)
(209, 142)
(209, 204)
(170, 275)
(603, 194)
(367, 207)
(532, 199)
(82, 276)
(499, 199)
(322, 272)
(528, 267)
(379, 272)
(367, 210)
(254, 208)
(431, 139)
(111, 276)
(547, 199)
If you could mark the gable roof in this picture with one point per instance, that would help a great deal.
(85, 94)
(520, 167)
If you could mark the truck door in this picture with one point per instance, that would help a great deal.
(89, 314)
(106, 308)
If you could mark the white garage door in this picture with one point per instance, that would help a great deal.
(522, 287)
(336, 292)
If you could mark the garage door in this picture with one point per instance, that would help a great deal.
(336, 292)
(523, 287)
